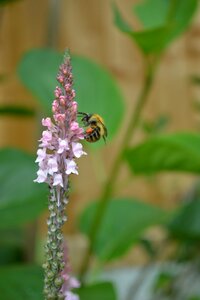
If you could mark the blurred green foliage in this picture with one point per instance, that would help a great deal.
(176, 152)
(163, 21)
(97, 291)
(126, 217)
(21, 199)
(26, 282)
(186, 224)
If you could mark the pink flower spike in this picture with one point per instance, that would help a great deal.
(41, 154)
(58, 180)
(71, 167)
(58, 149)
(77, 149)
(42, 176)
(52, 165)
(63, 145)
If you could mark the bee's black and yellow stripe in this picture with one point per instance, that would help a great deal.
(93, 136)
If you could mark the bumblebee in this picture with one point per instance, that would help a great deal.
(96, 127)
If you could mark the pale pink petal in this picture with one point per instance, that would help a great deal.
(71, 296)
(42, 176)
(55, 106)
(74, 126)
(46, 122)
(74, 283)
(60, 118)
(71, 167)
(41, 154)
(52, 165)
(58, 180)
(46, 135)
(77, 149)
(58, 92)
(63, 145)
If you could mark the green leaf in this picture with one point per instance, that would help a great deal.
(147, 12)
(175, 152)
(18, 111)
(96, 90)
(149, 41)
(98, 291)
(163, 21)
(186, 224)
(152, 40)
(21, 200)
(21, 282)
(181, 16)
(126, 217)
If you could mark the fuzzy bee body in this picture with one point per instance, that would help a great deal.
(96, 128)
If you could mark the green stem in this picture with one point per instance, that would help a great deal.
(109, 185)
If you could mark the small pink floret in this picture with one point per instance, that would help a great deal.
(60, 118)
(63, 145)
(71, 296)
(71, 167)
(52, 165)
(58, 180)
(46, 122)
(77, 149)
(41, 154)
(42, 176)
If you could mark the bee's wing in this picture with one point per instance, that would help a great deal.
(105, 129)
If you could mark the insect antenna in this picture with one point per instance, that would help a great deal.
(81, 114)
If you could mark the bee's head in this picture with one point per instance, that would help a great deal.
(85, 117)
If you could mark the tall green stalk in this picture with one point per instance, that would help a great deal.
(108, 189)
